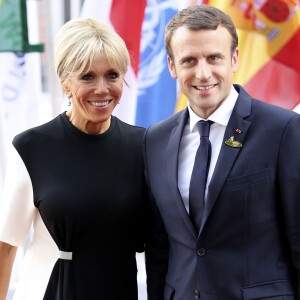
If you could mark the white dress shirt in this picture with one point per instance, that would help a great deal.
(190, 141)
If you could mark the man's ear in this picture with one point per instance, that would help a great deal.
(235, 60)
(172, 67)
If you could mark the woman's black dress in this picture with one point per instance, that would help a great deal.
(90, 192)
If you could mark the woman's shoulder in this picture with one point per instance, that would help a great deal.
(134, 129)
(37, 133)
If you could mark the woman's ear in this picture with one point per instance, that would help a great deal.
(64, 87)
(67, 93)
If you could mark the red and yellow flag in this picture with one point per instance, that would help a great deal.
(269, 47)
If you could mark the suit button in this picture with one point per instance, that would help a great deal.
(201, 251)
(196, 294)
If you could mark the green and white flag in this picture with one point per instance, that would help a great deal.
(14, 29)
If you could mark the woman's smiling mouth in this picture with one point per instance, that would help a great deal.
(100, 103)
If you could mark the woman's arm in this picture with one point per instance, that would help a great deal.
(7, 257)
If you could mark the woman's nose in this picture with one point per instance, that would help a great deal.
(101, 87)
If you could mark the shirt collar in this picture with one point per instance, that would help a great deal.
(221, 115)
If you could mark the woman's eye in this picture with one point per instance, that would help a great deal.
(87, 77)
(113, 75)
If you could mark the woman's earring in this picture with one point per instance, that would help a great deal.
(69, 99)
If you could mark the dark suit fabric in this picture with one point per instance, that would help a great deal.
(249, 241)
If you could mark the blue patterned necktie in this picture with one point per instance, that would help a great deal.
(199, 175)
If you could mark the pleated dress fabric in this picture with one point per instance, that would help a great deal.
(89, 190)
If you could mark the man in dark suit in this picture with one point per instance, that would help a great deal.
(244, 242)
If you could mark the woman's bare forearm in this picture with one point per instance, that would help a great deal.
(7, 257)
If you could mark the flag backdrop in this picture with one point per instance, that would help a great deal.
(20, 89)
(126, 18)
(20, 72)
(156, 89)
(269, 43)
(14, 29)
(151, 95)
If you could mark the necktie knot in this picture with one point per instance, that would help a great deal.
(204, 128)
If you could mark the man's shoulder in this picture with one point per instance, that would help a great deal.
(259, 107)
(168, 123)
(271, 110)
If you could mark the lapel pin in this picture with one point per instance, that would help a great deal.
(232, 143)
(238, 130)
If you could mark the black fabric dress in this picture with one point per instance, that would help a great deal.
(90, 192)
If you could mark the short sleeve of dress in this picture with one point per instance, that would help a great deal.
(16, 205)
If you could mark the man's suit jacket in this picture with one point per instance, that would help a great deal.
(249, 242)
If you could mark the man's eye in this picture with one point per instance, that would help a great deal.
(214, 58)
(188, 61)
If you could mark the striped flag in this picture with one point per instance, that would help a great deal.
(269, 43)
(269, 40)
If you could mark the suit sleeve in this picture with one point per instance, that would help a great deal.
(289, 185)
(156, 248)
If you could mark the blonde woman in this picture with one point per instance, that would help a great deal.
(79, 180)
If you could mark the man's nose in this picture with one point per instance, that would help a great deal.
(203, 71)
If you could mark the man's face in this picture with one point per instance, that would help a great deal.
(204, 66)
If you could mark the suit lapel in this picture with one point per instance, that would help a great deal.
(172, 168)
(228, 154)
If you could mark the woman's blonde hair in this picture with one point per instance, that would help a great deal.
(79, 43)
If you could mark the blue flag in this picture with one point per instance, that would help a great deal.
(157, 93)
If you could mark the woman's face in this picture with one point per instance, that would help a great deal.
(94, 96)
